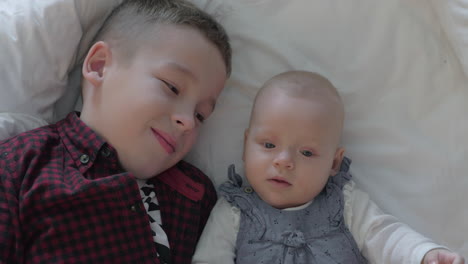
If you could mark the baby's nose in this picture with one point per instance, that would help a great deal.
(284, 160)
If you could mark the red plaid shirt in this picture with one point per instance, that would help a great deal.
(65, 199)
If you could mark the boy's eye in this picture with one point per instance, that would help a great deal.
(307, 153)
(171, 87)
(268, 145)
(200, 117)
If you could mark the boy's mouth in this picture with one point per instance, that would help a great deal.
(165, 140)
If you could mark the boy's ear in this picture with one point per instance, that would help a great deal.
(98, 57)
(246, 134)
(339, 154)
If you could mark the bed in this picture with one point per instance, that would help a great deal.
(401, 67)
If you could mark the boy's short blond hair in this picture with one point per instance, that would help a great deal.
(128, 25)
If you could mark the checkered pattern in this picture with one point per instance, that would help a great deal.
(65, 199)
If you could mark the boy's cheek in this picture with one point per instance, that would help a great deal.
(190, 140)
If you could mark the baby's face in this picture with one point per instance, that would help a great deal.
(290, 149)
(151, 108)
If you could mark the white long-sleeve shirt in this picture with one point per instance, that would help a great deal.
(381, 238)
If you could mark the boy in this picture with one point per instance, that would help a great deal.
(109, 186)
(300, 206)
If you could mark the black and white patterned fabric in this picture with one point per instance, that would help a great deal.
(151, 204)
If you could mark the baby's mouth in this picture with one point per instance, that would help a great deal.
(280, 181)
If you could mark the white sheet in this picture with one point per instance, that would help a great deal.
(400, 66)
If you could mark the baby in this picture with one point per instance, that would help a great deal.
(300, 205)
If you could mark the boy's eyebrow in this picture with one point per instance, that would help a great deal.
(181, 68)
(212, 102)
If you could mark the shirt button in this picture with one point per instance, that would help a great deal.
(106, 152)
(84, 159)
(134, 207)
(248, 189)
(5, 154)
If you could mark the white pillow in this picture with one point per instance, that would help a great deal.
(15, 123)
(453, 16)
(40, 42)
(404, 92)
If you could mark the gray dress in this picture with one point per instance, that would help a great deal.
(315, 234)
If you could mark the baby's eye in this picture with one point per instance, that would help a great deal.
(171, 87)
(268, 145)
(200, 117)
(307, 153)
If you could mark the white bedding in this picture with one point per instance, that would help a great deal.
(401, 67)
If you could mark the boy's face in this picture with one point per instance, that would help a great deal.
(151, 107)
(290, 149)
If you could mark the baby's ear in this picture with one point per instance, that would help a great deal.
(339, 154)
(94, 64)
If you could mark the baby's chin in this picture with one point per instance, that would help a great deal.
(281, 204)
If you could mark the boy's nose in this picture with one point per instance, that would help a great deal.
(284, 161)
(184, 121)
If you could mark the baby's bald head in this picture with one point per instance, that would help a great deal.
(305, 85)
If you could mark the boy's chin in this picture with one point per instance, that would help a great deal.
(144, 174)
(147, 175)
(139, 177)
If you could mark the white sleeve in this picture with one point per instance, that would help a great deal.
(381, 237)
(218, 240)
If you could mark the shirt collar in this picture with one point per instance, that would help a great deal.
(182, 183)
(300, 207)
(81, 142)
